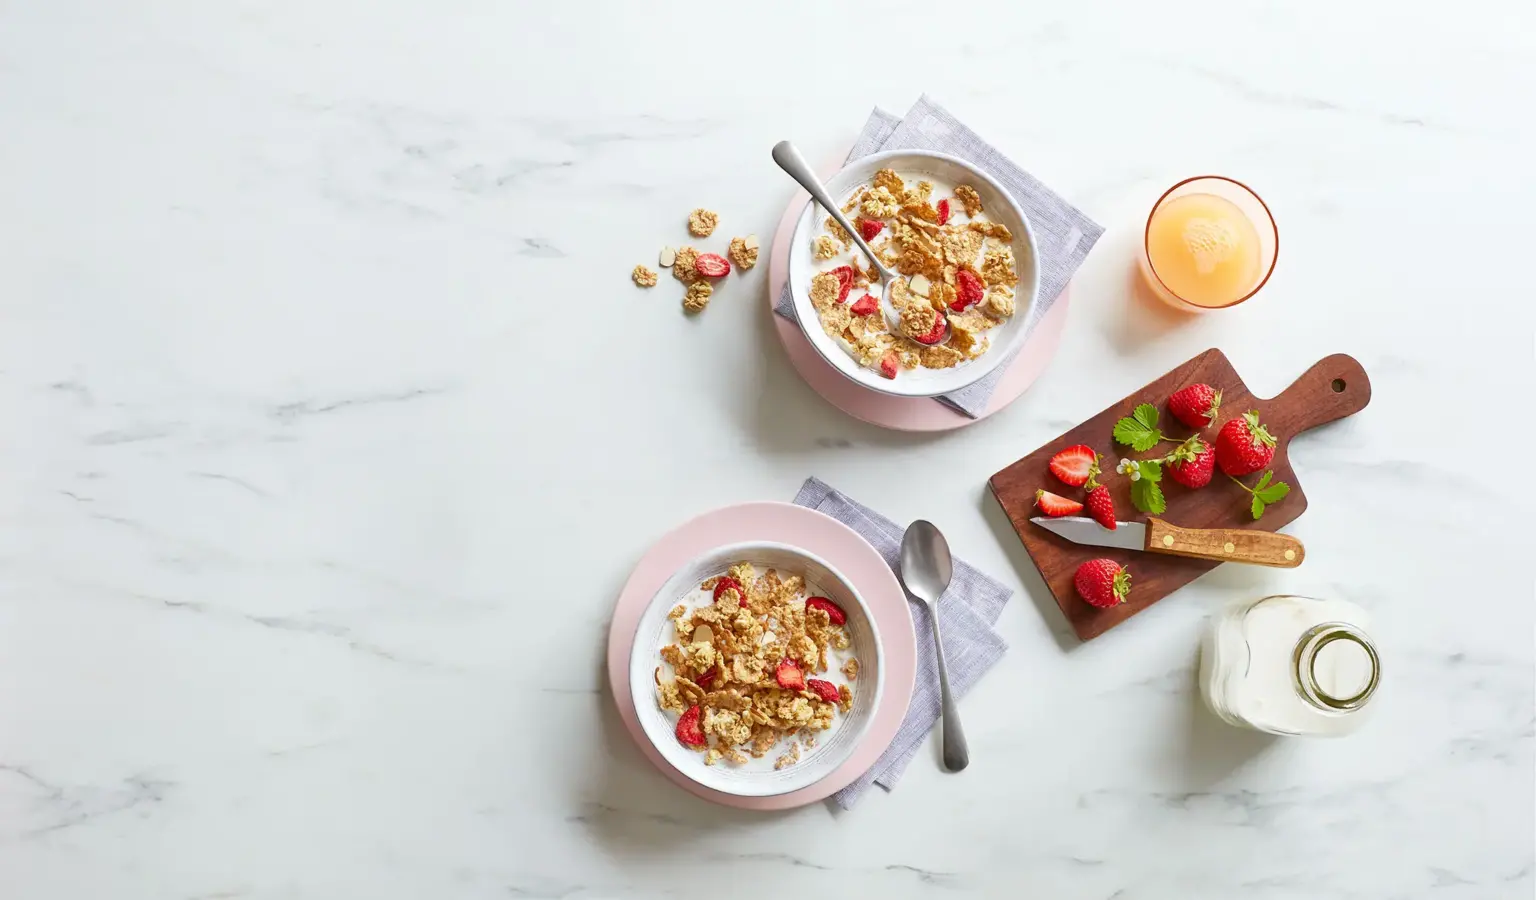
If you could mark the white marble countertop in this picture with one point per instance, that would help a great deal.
(311, 528)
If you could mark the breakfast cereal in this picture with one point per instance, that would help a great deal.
(698, 295)
(682, 264)
(743, 251)
(702, 222)
(962, 271)
(643, 276)
(745, 684)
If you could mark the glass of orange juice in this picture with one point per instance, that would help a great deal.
(1210, 243)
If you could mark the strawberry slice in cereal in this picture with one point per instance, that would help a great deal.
(865, 305)
(727, 583)
(868, 228)
(689, 731)
(890, 364)
(789, 675)
(826, 690)
(845, 276)
(834, 612)
(936, 333)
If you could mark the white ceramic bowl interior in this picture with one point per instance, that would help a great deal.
(757, 777)
(998, 206)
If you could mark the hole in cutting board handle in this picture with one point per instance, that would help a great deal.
(1338, 385)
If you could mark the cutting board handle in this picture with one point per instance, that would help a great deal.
(1333, 388)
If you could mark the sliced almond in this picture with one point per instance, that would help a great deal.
(919, 285)
(667, 257)
(751, 242)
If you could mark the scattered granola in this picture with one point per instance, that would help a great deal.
(698, 295)
(643, 277)
(682, 264)
(743, 251)
(702, 222)
(825, 247)
(880, 203)
(739, 665)
(968, 196)
(851, 670)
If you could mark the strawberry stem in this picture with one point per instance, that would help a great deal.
(1240, 484)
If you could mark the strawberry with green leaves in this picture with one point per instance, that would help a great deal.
(1243, 446)
(1195, 405)
(1191, 463)
(1102, 583)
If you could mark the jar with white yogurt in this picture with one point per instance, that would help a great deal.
(1290, 665)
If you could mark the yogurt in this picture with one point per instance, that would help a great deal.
(1290, 665)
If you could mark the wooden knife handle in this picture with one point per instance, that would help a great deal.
(1260, 548)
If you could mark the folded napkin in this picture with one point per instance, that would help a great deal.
(969, 609)
(1063, 233)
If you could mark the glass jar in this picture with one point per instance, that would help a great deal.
(1290, 665)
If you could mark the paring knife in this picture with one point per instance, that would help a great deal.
(1260, 548)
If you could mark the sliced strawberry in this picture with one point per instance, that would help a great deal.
(1075, 465)
(689, 731)
(712, 265)
(726, 583)
(868, 228)
(936, 333)
(1055, 505)
(890, 364)
(826, 690)
(845, 276)
(706, 680)
(789, 675)
(834, 612)
(969, 289)
(865, 305)
(943, 212)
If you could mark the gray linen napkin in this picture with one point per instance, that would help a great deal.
(1063, 233)
(969, 609)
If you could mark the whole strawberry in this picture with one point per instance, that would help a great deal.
(1196, 405)
(1102, 582)
(1192, 463)
(1100, 506)
(1243, 446)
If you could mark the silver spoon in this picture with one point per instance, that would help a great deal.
(790, 160)
(926, 569)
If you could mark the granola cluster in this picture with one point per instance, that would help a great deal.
(741, 665)
(698, 269)
(957, 277)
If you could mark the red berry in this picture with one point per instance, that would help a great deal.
(834, 612)
(1192, 463)
(689, 731)
(1196, 405)
(789, 676)
(1102, 582)
(890, 364)
(865, 305)
(845, 280)
(712, 265)
(1055, 505)
(1075, 465)
(726, 583)
(936, 333)
(969, 289)
(868, 228)
(824, 689)
(943, 211)
(1243, 446)
(1101, 507)
(707, 678)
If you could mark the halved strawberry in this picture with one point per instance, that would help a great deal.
(826, 690)
(936, 333)
(1075, 465)
(712, 265)
(789, 676)
(725, 583)
(1055, 505)
(834, 612)
(868, 228)
(890, 364)
(865, 305)
(689, 731)
(706, 679)
(943, 206)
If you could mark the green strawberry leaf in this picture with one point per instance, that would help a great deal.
(1258, 506)
(1151, 469)
(1264, 480)
(1146, 414)
(1136, 431)
(1147, 496)
(1274, 493)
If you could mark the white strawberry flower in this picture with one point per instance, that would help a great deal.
(1129, 467)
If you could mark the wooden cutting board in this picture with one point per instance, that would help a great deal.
(1332, 389)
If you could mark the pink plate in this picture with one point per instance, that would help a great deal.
(826, 537)
(900, 413)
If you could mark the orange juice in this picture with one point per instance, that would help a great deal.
(1204, 249)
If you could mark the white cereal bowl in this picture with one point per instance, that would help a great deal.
(757, 777)
(999, 206)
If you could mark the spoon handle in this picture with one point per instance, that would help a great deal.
(956, 754)
(790, 160)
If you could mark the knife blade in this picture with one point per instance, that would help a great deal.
(1260, 548)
